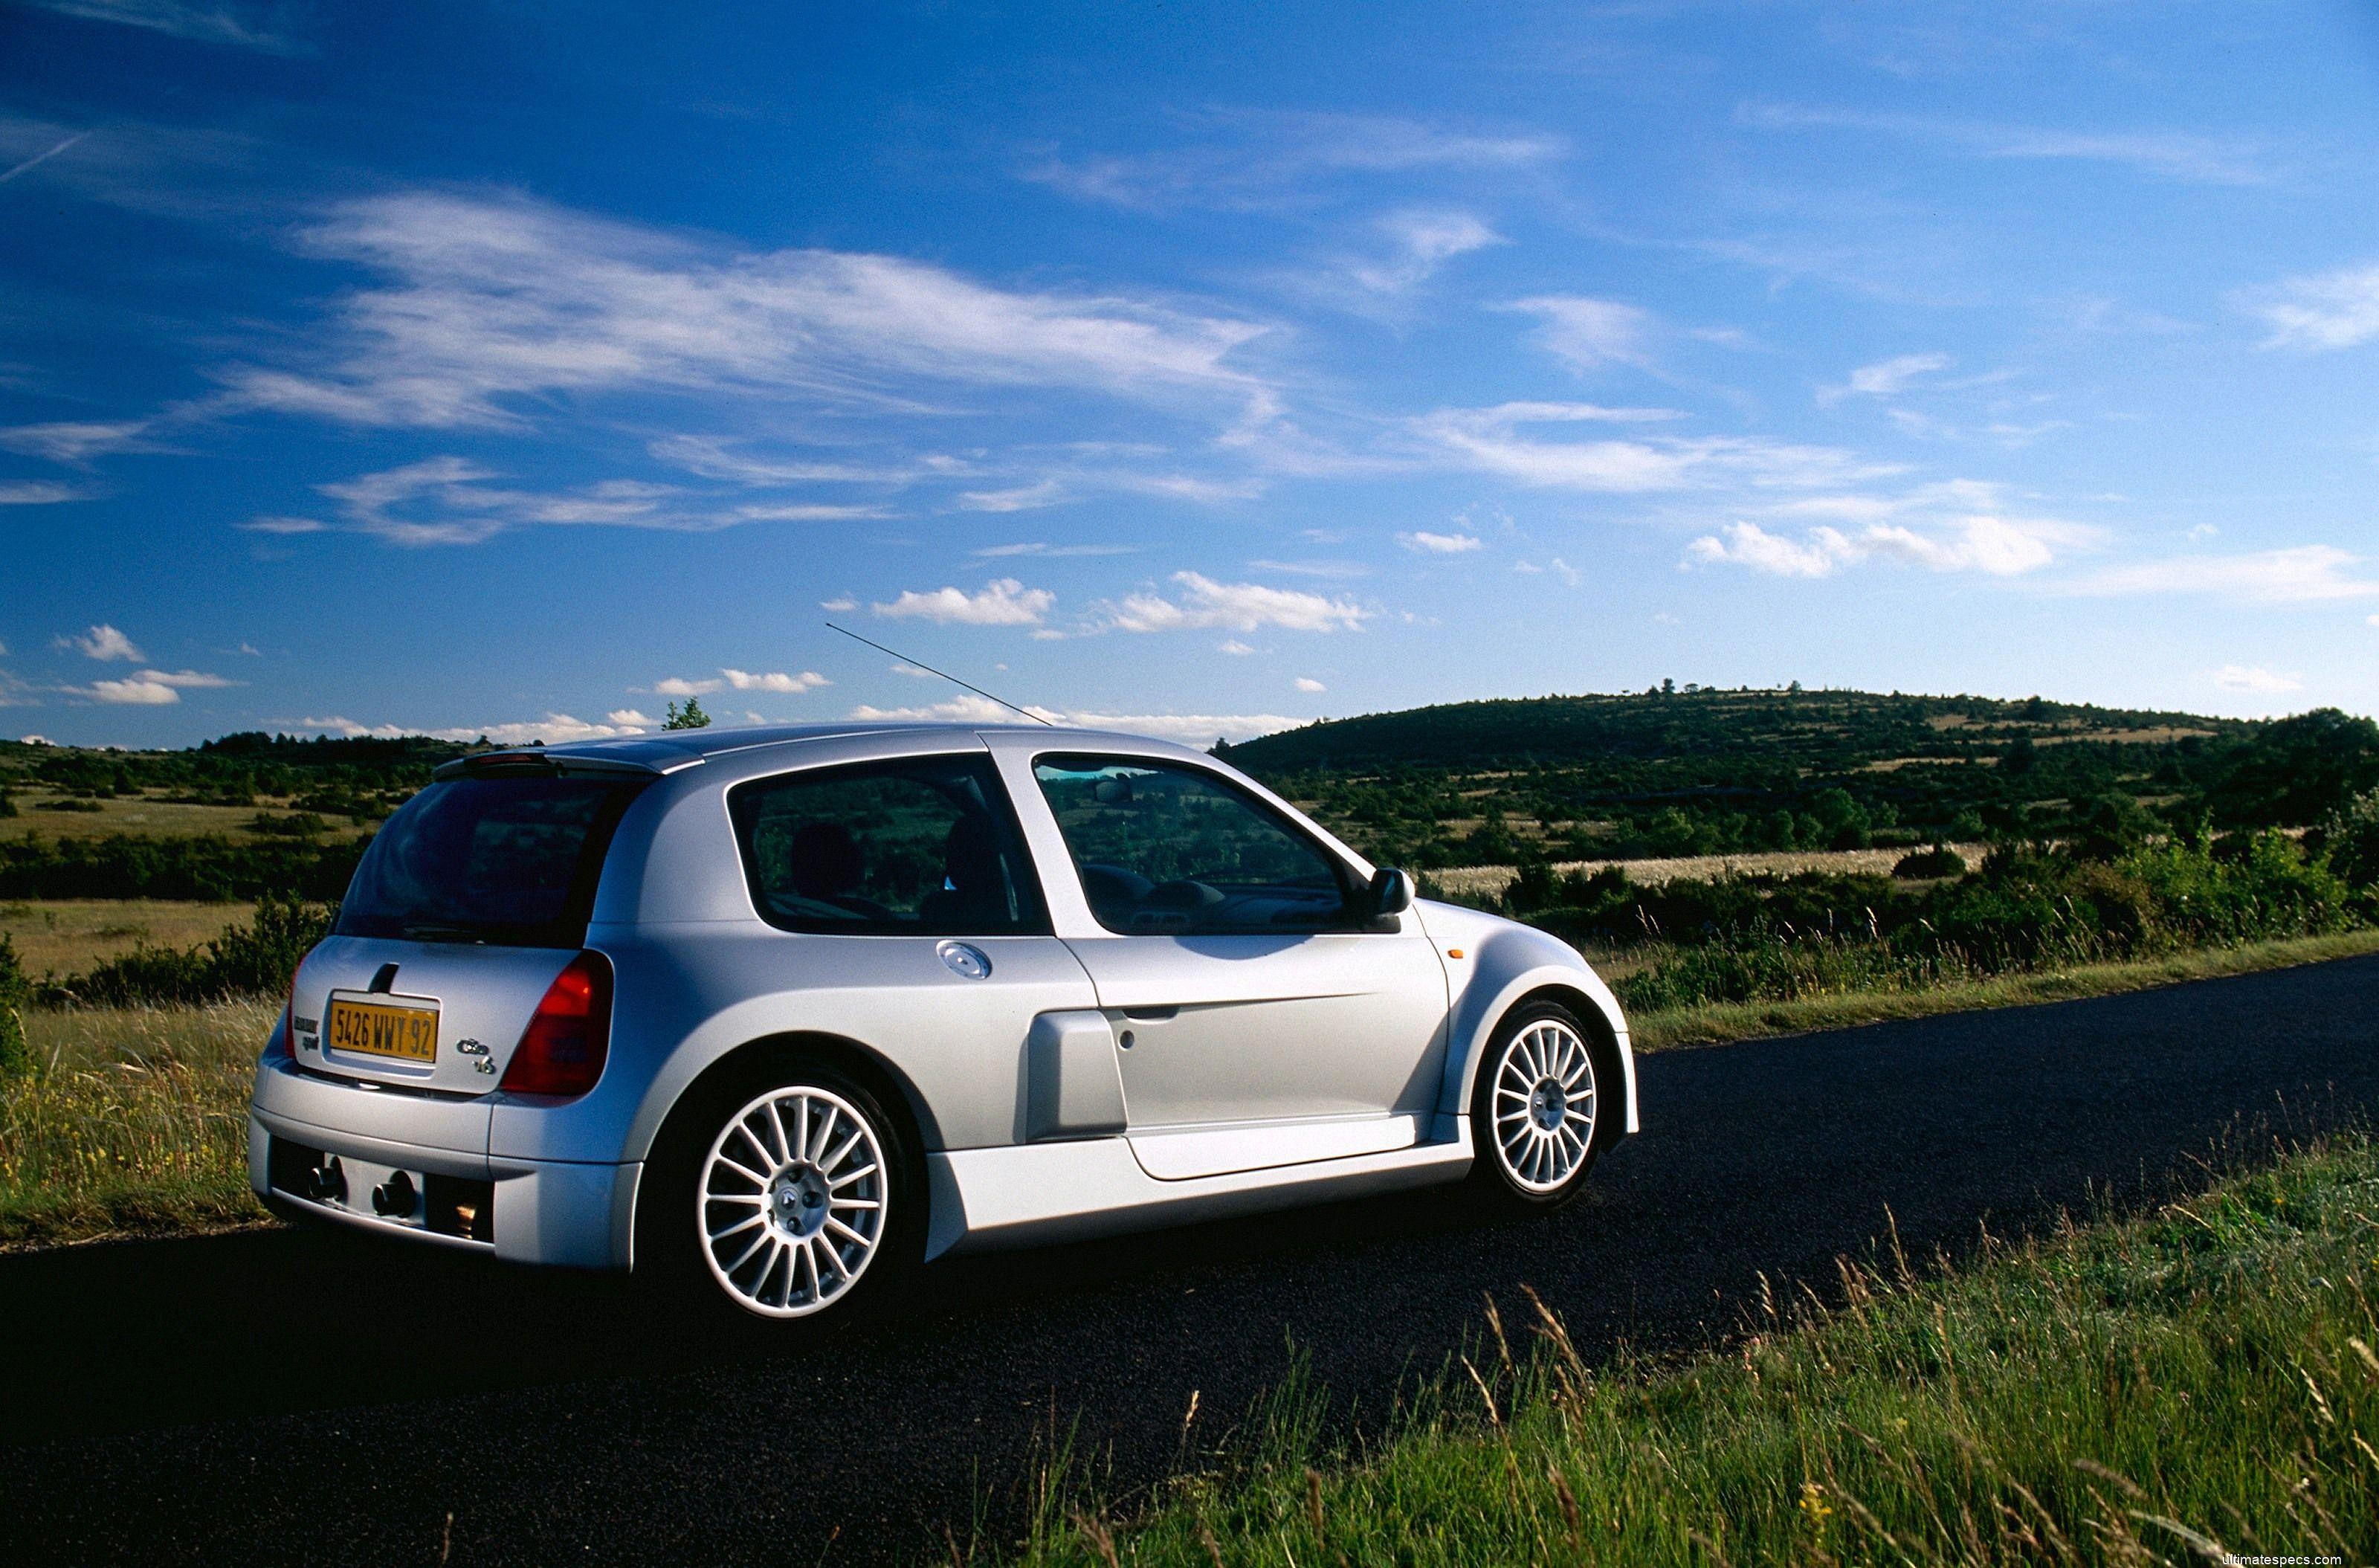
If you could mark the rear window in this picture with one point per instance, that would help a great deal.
(505, 861)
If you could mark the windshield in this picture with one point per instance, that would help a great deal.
(509, 860)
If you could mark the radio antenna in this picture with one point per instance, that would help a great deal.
(943, 673)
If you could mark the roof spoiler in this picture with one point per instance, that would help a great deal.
(537, 762)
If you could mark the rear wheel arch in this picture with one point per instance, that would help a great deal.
(758, 1061)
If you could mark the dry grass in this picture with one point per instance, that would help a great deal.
(133, 1120)
(70, 936)
(144, 817)
(1489, 881)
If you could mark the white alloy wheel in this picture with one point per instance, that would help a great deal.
(1544, 1105)
(792, 1201)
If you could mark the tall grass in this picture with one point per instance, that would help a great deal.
(130, 1120)
(2161, 1391)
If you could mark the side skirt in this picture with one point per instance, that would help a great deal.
(1035, 1193)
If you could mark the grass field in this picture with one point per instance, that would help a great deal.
(134, 1122)
(145, 816)
(72, 935)
(2162, 1391)
(1490, 881)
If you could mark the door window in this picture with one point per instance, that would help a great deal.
(922, 847)
(1163, 848)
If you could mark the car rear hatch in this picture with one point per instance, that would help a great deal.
(471, 902)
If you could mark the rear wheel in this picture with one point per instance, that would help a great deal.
(1537, 1109)
(785, 1194)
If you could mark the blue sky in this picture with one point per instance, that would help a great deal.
(514, 369)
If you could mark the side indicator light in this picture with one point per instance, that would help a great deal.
(1454, 952)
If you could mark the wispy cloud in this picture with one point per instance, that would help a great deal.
(2301, 575)
(2178, 155)
(490, 302)
(2337, 309)
(1256, 159)
(240, 26)
(1002, 602)
(1590, 334)
(38, 159)
(1236, 607)
(1492, 440)
(37, 492)
(1419, 243)
(76, 440)
(1885, 378)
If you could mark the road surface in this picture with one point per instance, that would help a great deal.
(289, 1397)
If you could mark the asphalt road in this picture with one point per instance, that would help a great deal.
(287, 1397)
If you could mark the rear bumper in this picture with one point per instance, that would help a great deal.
(565, 1212)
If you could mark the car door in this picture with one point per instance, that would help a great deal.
(1261, 1016)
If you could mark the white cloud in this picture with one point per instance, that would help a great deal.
(75, 440)
(774, 680)
(1199, 728)
(2174, 154)
(489, 305)
(1307, 684)
(1239, 649)
(1589, 335)
(677, 686)
(555, 729)
(338, 724)
(2301, 575)
(2255, 678)
(214, 22)
(1420, 242)
(135, 691)
(1004, 601)
(1237, 607)
(1426, 543)
(2337, 309)
(186, 679)
(1557, 566)
(1048, 552)
(630, 718)
(1257, 158)
(839, 607)
(1885, 378)
(104, 643)
(1997, 546)
(284, 525)
(1490, 439)
(37, 492)
(1019, 497)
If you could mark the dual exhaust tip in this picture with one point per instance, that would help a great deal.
(392, 1199)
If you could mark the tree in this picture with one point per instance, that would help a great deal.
(690, 717)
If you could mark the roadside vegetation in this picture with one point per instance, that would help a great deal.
(2165, 1389)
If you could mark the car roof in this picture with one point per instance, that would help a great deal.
(667, 750)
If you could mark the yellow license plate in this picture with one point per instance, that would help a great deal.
(378, 1029)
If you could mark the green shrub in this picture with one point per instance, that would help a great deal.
(1931, 864)
(16, 1056)
(2351, 838)
(254, 960)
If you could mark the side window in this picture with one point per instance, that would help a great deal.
(922, 847)
(1167, 849)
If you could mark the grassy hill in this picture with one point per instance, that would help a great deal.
(1703, 771)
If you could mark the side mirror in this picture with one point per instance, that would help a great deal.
(1392, 892)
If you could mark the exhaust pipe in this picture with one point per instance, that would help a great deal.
(394, 1197)
(327, 1183)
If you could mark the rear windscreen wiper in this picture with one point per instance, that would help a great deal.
(433, 931)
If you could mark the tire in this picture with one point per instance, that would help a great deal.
(785, 1193)
(1548, 1080)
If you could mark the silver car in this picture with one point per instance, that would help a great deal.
(780, 1013)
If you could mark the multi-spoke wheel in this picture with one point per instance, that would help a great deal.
(783, 1188)
(1537, 1108)
(792, 1201)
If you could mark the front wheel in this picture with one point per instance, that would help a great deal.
(787, 1197)
(1536, 1110)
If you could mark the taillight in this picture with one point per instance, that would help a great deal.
(289, 1015)
(561, 1051)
